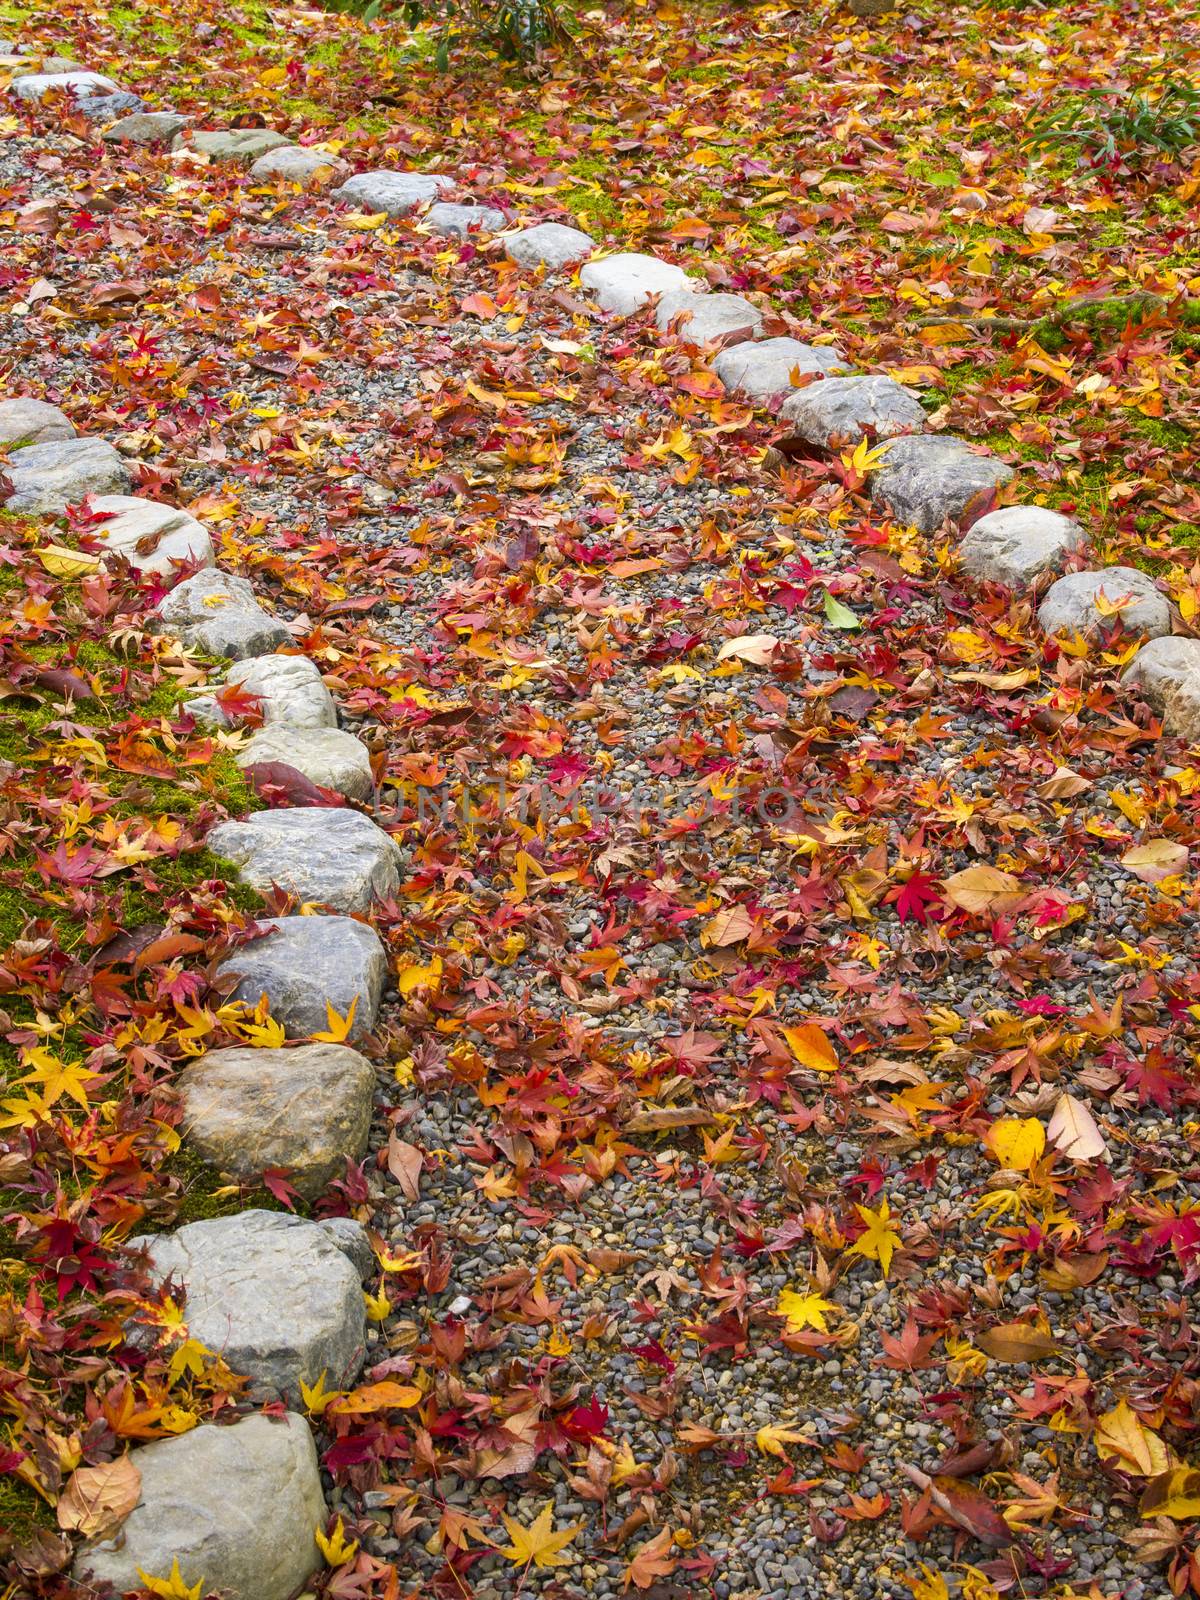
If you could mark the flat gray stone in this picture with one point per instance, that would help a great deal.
(763, 369)
(1017, 544)
(397, 193)
(77, 82)
(234, 144)
(152, 537)
(146, 127)
(47, 478)
(270, 1293)
(626, 282)
(549, 244)
(32, 422)
(218, 613)
(330, 757)
(236, 1506)
(927, 478)
(327, 856)
(42, 63)
(1166, 673)
(459, 220)
(305, 963)
(307, 1110)
(103, 107)
(288, 689)
(1070, 606)
(708, 318)
(843, 409)
(295, 163)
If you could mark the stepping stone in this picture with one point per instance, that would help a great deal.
(103, 107)
(78, 83)
(233, 144)
(47, 478)
(764, 369)
(624, 283)
(550, 244)
(303, 963)
(50, 64)
(1017, 544)
(288, 689)
(218, 613)
(926, 478)
(397, 193)
(307, 1110)
(1166, 672)
(272, 1294)
(459, 220)
(236, 1506)
(32, 422)
(845, 408)
(152, 537)
(328, 856)
(707, 318)
(295, 163)
(330, 757)
(1070, 606)
(146, 127)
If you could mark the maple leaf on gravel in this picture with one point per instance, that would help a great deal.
(878, 1243)
(539, 1542)
(915, 898)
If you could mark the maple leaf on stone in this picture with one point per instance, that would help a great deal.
(539, 1543)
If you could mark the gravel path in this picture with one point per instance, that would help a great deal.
(516, 545)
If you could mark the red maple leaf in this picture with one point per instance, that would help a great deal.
(915, 898)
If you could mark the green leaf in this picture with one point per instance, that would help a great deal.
(839, 616)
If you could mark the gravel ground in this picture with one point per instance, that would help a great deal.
(510, 656)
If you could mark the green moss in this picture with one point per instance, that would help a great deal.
(205, 1194)
(22, 1513)
(1171, 435)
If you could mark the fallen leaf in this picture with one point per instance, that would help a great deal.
(1072, 1129)
(97, 1500)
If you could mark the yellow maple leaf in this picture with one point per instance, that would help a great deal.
(929, 1586)
(59, 1077)
(173, 1587)
(539, 1542)
(414, 976)
(265, 1035)
(803, 1310)
(378, 1305)
(878, 1243)
(318, 1396)
(335, 1547)
(771, 1439)
(339, 1027)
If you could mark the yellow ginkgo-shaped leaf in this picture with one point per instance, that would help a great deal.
(1017, 1142)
